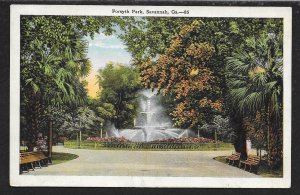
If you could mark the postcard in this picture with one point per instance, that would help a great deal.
(150, 96)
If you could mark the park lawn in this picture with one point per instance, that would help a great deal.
(133, 146)
(59, 157)
(263, 170)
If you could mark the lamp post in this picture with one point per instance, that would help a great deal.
(198, 131)
(101, 129)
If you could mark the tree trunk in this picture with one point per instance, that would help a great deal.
(32, 115)
(240, 142)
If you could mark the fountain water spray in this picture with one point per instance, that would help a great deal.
(152, 123)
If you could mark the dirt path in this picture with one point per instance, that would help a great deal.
(143, 163)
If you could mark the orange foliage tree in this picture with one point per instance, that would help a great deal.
(184, 70)
(257, 128)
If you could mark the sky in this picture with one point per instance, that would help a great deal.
(103, 49)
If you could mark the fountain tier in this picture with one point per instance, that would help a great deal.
(151, 124)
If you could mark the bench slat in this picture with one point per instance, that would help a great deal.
(30, 157)
(252, 162)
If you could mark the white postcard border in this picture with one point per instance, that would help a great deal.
(133, 181)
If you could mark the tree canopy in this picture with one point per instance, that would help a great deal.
(53, 61)
(255, 80)
(119, 85)
(184, 70)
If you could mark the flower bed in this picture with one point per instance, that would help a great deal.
(159, 145)
(170, 140)
(187, 140)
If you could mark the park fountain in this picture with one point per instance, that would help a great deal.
(151, 124)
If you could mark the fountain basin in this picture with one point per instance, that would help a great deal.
(153, 133)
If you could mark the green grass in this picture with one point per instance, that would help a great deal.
(220, 159)
(148, 146)
(58, 157)
(263, 169)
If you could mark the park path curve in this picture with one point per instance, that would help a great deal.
(143, 163)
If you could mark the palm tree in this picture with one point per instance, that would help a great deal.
(51, 77)
(53, 62)
(254, 78)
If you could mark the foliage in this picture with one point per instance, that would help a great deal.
(107, 111)
(254, 76)
(53, 56)
(119, 86)
(53, 60)
(83, 119)
(257, 128)
(183, 70)
(222, 127)
(149, 38)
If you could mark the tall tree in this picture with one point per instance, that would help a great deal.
(53, 59)
(119, 85)
(185, 70)
(255, 81)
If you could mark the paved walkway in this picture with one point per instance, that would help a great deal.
(143, 163)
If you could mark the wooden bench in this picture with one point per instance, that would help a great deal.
(29, 160)
(252, 162)
(233, 158)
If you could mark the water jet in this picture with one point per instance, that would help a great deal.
(152, 124)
